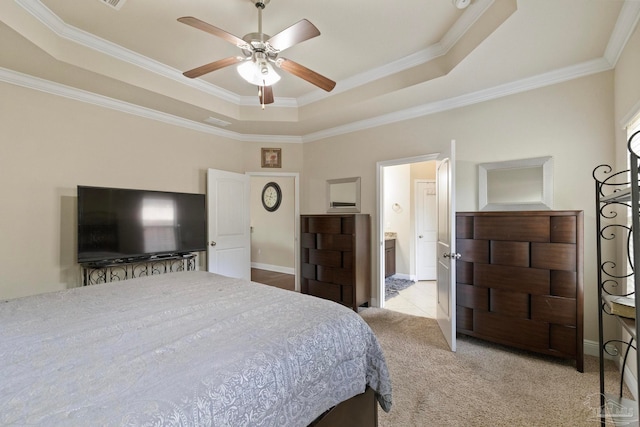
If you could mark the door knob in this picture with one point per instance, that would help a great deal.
(213, 243)
(420, 236)
(453, 255)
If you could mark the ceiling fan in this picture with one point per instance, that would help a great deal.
(259, 52)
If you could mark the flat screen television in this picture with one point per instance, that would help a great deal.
(116, 224)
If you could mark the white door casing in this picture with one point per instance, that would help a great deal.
(446, 264)
(378, 290)
(228, 215)
(296, 214)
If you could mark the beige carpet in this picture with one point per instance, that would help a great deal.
(481, 384)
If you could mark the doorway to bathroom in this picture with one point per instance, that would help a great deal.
(409, 221)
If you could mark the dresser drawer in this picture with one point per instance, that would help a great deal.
(324, 225)
(339, 276)
(326, 258)
(522, 332)
(335, 242)
(325, 290)
(472, 296)
(550, 309)
(517, 279)
(520, 228)
(473, 250)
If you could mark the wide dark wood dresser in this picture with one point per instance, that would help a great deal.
(519, 280)
(336, 257)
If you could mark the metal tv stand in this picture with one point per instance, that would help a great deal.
(94, 273)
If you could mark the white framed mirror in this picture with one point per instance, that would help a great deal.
(525, 184)
(343, 195)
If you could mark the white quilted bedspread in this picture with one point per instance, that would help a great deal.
(182, 349)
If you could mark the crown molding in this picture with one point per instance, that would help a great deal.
(69, 32)
(91, 41)
(523, 85)
(253, 101)
(627, 20)
(53, 88)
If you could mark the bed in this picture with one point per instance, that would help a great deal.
(185, 349)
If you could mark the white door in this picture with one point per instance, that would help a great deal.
(426, 227)
(229, 250)
(446, 265)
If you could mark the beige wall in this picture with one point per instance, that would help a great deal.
(397, 192)
(571, 121)
(291, 156)
(272, 233)
(51, 144)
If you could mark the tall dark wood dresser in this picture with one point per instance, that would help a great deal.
(336, 257)
(519, 280)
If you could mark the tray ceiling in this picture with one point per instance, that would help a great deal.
(391, 60)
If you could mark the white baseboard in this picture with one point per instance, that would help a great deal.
(630, 381)
(274, 268)
(591, 348)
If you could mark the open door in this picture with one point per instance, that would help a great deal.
(229, 250)
(447, 256)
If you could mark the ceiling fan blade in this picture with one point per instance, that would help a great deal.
(266, 95)
(212, 66)
(306, 74)
(297, 33)
(201, 25)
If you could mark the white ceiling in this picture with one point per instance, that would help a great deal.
(391, 60)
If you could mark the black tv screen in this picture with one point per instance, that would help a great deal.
(116, 224)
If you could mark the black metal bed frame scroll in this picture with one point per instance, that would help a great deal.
(96, 273)
(616, 190)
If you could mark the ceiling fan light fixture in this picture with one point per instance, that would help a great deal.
(258, 73)
(260, 53)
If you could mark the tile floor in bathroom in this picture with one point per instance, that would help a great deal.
(418, 300)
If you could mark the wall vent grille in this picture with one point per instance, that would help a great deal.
(116, 4)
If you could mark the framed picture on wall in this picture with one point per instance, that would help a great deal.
(271, 157)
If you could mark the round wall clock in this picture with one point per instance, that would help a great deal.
(271, 196)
